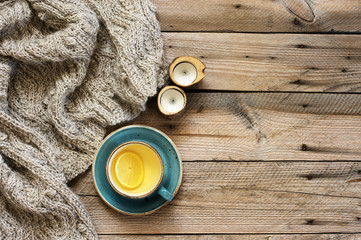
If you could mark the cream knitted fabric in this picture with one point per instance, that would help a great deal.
(68, 68)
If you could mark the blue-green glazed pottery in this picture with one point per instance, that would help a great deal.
(172, 169)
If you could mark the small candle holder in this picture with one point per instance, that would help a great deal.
(186, 71)
(171, 101)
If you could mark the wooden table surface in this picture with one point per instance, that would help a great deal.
(271, 138)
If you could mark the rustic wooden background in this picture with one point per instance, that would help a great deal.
(271, 139)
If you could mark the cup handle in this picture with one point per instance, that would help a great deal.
(165, 193)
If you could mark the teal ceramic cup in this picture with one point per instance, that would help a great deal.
(169, 183)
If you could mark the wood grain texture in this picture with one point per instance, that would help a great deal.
(272, 62)
(231, 190)
(309, 178)
(237, 237)
(239, 197)
(271, 165)
(260, 15)
(264, 126)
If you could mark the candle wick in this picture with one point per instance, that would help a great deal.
(185, 72)
(172, 100)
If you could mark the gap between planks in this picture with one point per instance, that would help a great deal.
(265, 33)
(200, 90)
(225, 236)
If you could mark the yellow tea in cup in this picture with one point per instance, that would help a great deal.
(134, 169)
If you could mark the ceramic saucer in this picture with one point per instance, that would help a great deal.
(172, 175)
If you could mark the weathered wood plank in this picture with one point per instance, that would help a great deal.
(272, 62)
(264, 126)
(259, 15)
(245, 197)
(313, 178)
(237, 237)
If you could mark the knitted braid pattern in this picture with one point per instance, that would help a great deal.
(68, 69)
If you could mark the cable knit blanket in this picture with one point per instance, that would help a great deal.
(68, 69)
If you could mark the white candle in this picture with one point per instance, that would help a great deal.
(172, 101)
(185, 73)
